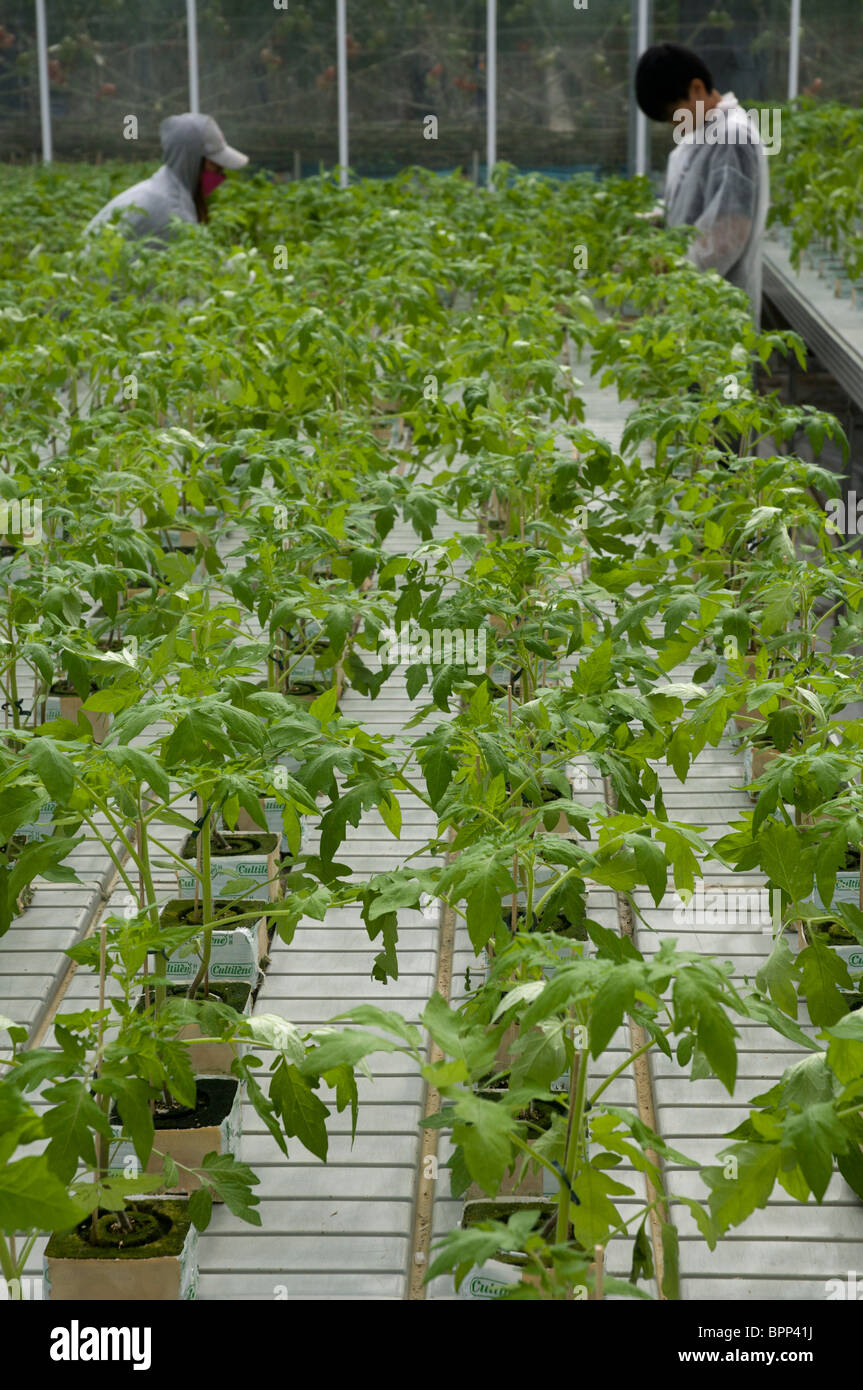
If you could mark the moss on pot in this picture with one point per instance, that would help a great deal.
(229, 844)
(172, 1221)
(561, 925)
(180, 911)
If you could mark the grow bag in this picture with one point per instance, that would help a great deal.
(491, 1279)
(161, 1270)
(215, 1058)
(215, 1126)
(242, 872)
(237, 952)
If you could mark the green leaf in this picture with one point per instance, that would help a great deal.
(540, 1056)
(614, 999)
(823, 975)
(845, 1047)
(17, 1032)
(132, 1098)
(18, 805)
(324, 707)
(738, 1188)
(71, 1122)
(785, 860)
(303, 1115)
(808, 1082)
(438, 765)
(143, 767)
(372, 1017)
(642, 1256)
(813, 1137)
(765, 1011)
(344, 1081)
(696, 1006)
(593, 671)
(830, 858)
(233, 1182)
(489, 881)
(595, 1216)
(651, 864)
(275, 1031)
(484, 1141)
(445, 1026)
(201, 1208)
(777, 977)
(42, 857)
(850, 1165)
(391, 813)
(671, 1261)
(55, 770)
(33, 1198)
(261, 1102)
(345, 1047)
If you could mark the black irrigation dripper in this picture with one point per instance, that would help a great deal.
(558, 1167)
(16, 704)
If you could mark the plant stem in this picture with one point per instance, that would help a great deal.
(203, 975)
(577, 1089)
(639, 1052)
(104, 1101)
(11, 1268)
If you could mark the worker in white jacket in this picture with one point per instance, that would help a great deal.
(717, 179)
(196, 154)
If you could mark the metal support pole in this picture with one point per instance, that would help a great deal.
(342, 61)
(192, 42)
(643, 41)
(491, 89)
(794, 51)
(44, 88)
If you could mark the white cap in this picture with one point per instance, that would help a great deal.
(217, 148)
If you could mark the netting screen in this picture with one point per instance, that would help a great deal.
(269, 78)
(107, 61)
(564, 84)
(831, 50)
(416, 74)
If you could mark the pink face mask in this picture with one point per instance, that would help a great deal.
(210, 180)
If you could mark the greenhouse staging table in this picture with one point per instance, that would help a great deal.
(347, 1229)
(785, 1251)
(32, 960)
(831, 325)
(341, 1231)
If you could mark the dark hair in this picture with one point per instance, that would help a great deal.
(663, 76)
(200, 201)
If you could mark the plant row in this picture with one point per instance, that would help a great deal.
(221, 442)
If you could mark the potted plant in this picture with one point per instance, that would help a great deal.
(565, 1020)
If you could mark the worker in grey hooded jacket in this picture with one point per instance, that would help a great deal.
(196, 153)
